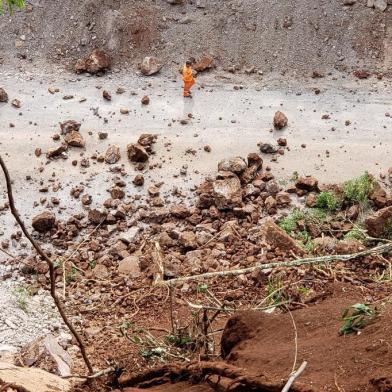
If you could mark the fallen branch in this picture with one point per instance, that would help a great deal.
(52, 273)
(385, 248)
(294, 376)
(200, 371)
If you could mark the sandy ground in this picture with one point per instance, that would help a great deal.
(231, 121)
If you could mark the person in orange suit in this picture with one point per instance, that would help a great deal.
(188, 79)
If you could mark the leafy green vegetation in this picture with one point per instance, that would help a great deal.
(11, 5)
(356, 234)
(356, 317)
(327, 201)
(357, 190)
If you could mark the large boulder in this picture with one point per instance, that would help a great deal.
(137, 153)
(98, 61)
(377, 223)
(74, 139)
(113, 154)
(280, 120)
(44, 222)
(150, 66)
(3, 95)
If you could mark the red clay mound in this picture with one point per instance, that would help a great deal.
(264, 342)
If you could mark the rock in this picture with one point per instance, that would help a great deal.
(227, 193)
(7, 353)
(346, 247)
(74, 139)
(145, 100)
(129, 267)
(180, 211)
(16, 103)
(188, 240)
(280, 120)
(282, 142)
(98, 61)
(150, 66)
(147, 140)
(381, 5)
(69, 126)
(324, 245)
(138, 180)
(378, 196)
(270, 204)
(273, 235)
(44, 222)
(361, 74)
(100, 271)
(117, 193)
(311, 200)
(283, 199)
(349, 2)
(102, 135)
(96, 216)
(112, 154)
(106, 95)
(377, 223)
(124, 111)
(353, 212)
(57, 151)
(175, 2)
(307, 183)
(32, 379)
(268, 148)
(235, 165)
(255, 159)
(3, 95)
(137, 153)
(130, 236)
(204, 63)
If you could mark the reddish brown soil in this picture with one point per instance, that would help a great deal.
(263, 347)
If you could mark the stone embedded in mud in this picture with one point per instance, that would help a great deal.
(129, 267)
(282, 142)
(44, 222)
(150, 66)
(280, 120)
(69, 126)
(3, 95)
(102, 135)
(235, 165)
(74, 139)
(277, 238)
(377, 223)
(145, 100)
(307, 183)
(204, 63)
(138, 180)
(112, 154)
(98, 61)
(361, 74)
(106, 95)
(16, 103)
(137, 153)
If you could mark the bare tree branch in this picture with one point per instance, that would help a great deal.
(52, 275)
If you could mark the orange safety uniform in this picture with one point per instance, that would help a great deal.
(189, 81)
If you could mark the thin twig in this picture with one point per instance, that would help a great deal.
(295, 341)
(385, 248)
(52, 273)
(294, 376)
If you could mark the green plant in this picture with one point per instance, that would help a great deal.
(356, 317)
(22, 294)
(357, 190)
(11, 4)
(70, 275)
(327, 201)
(274, 291)
(304, 290)
(289, 223)
(294, 176)
(92, 264)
